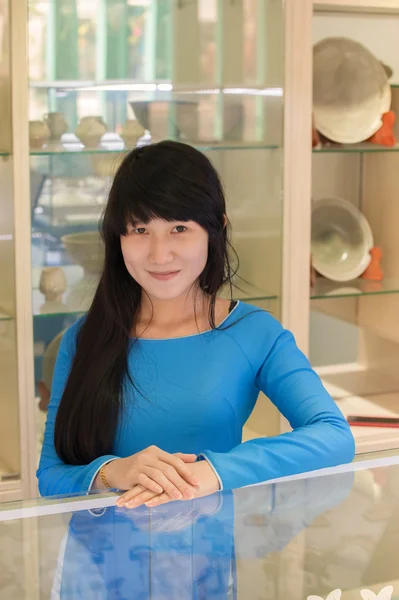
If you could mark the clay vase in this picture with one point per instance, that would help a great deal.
(57, 125)
(131, 132)
(90, 131)
(39, 134)
(52, 283)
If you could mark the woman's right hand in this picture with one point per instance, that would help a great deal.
(155, 470)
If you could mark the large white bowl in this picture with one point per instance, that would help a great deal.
(341, 239)
(351, 91)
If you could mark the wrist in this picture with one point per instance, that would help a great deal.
(105, 477)
(208, 478)
(204, 458)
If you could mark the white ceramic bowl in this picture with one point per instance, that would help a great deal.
(341, 239)
(351, 91)
(86, 249)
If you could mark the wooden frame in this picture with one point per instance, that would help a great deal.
(297, 168)
(22, 236)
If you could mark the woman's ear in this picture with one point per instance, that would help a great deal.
(225, 221)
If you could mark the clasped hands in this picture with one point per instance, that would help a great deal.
(154, 477)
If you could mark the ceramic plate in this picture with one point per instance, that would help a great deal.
(341, 239)
(351, 91)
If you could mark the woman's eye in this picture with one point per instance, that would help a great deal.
(139, 230)
(180, 228)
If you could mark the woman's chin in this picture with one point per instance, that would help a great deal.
(168, 291)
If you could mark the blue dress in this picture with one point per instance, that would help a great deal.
(197, 393)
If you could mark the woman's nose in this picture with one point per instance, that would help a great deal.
(160, 252)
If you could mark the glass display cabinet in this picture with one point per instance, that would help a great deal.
(108, 75)
(333, 534)
(361, 372)
(234, 79)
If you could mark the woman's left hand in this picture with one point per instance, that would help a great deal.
(139, 495)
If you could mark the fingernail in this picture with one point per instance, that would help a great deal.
(195, 481)
(188, 494)
(131, 504)
(177, 495)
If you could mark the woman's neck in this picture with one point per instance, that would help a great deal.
(178, 317)
(174, 311)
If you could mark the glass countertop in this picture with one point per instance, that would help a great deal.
(335, 530)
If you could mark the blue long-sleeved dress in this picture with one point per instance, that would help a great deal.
(197, 393)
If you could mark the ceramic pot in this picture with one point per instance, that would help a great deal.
(57, 125)
(90, 130)
(131, 132)
(86, 249)
(39, 134)
(52, 283)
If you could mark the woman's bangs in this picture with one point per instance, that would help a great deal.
(159, 206)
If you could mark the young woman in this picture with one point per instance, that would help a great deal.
(152, 387)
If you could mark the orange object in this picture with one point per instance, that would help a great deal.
(312, 274)
(374, 271)
(385, 135)
(315, 136)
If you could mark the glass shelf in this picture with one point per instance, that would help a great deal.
(4, 316)
(3, 153)
(76, 308)
(326, 289)
(164, 88)
(365, 147)
(119, 147)
(80, 289)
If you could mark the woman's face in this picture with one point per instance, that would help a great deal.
(165, 258)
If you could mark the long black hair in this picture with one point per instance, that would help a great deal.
(167, 180)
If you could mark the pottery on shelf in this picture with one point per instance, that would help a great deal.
(90, 131)
(341, 239)
(57, 124)
(351, 90)
(131, 132)
(39, 134)
(86, 249)
(52, 283)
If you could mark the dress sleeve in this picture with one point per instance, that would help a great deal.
(321, 436)
(54, 476)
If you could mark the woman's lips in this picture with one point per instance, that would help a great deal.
(164, 276)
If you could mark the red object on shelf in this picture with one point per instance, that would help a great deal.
(374, 271)
(385, 135)
(373, 424)
(369, 421)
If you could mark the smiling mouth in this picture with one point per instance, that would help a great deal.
(164, 276)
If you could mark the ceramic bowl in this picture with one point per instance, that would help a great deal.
(341, 239)
(351, 91)
(86, 249)
(155, 115)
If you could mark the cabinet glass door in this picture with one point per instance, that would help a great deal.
(205, 72)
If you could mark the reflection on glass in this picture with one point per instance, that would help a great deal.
(292, 539)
